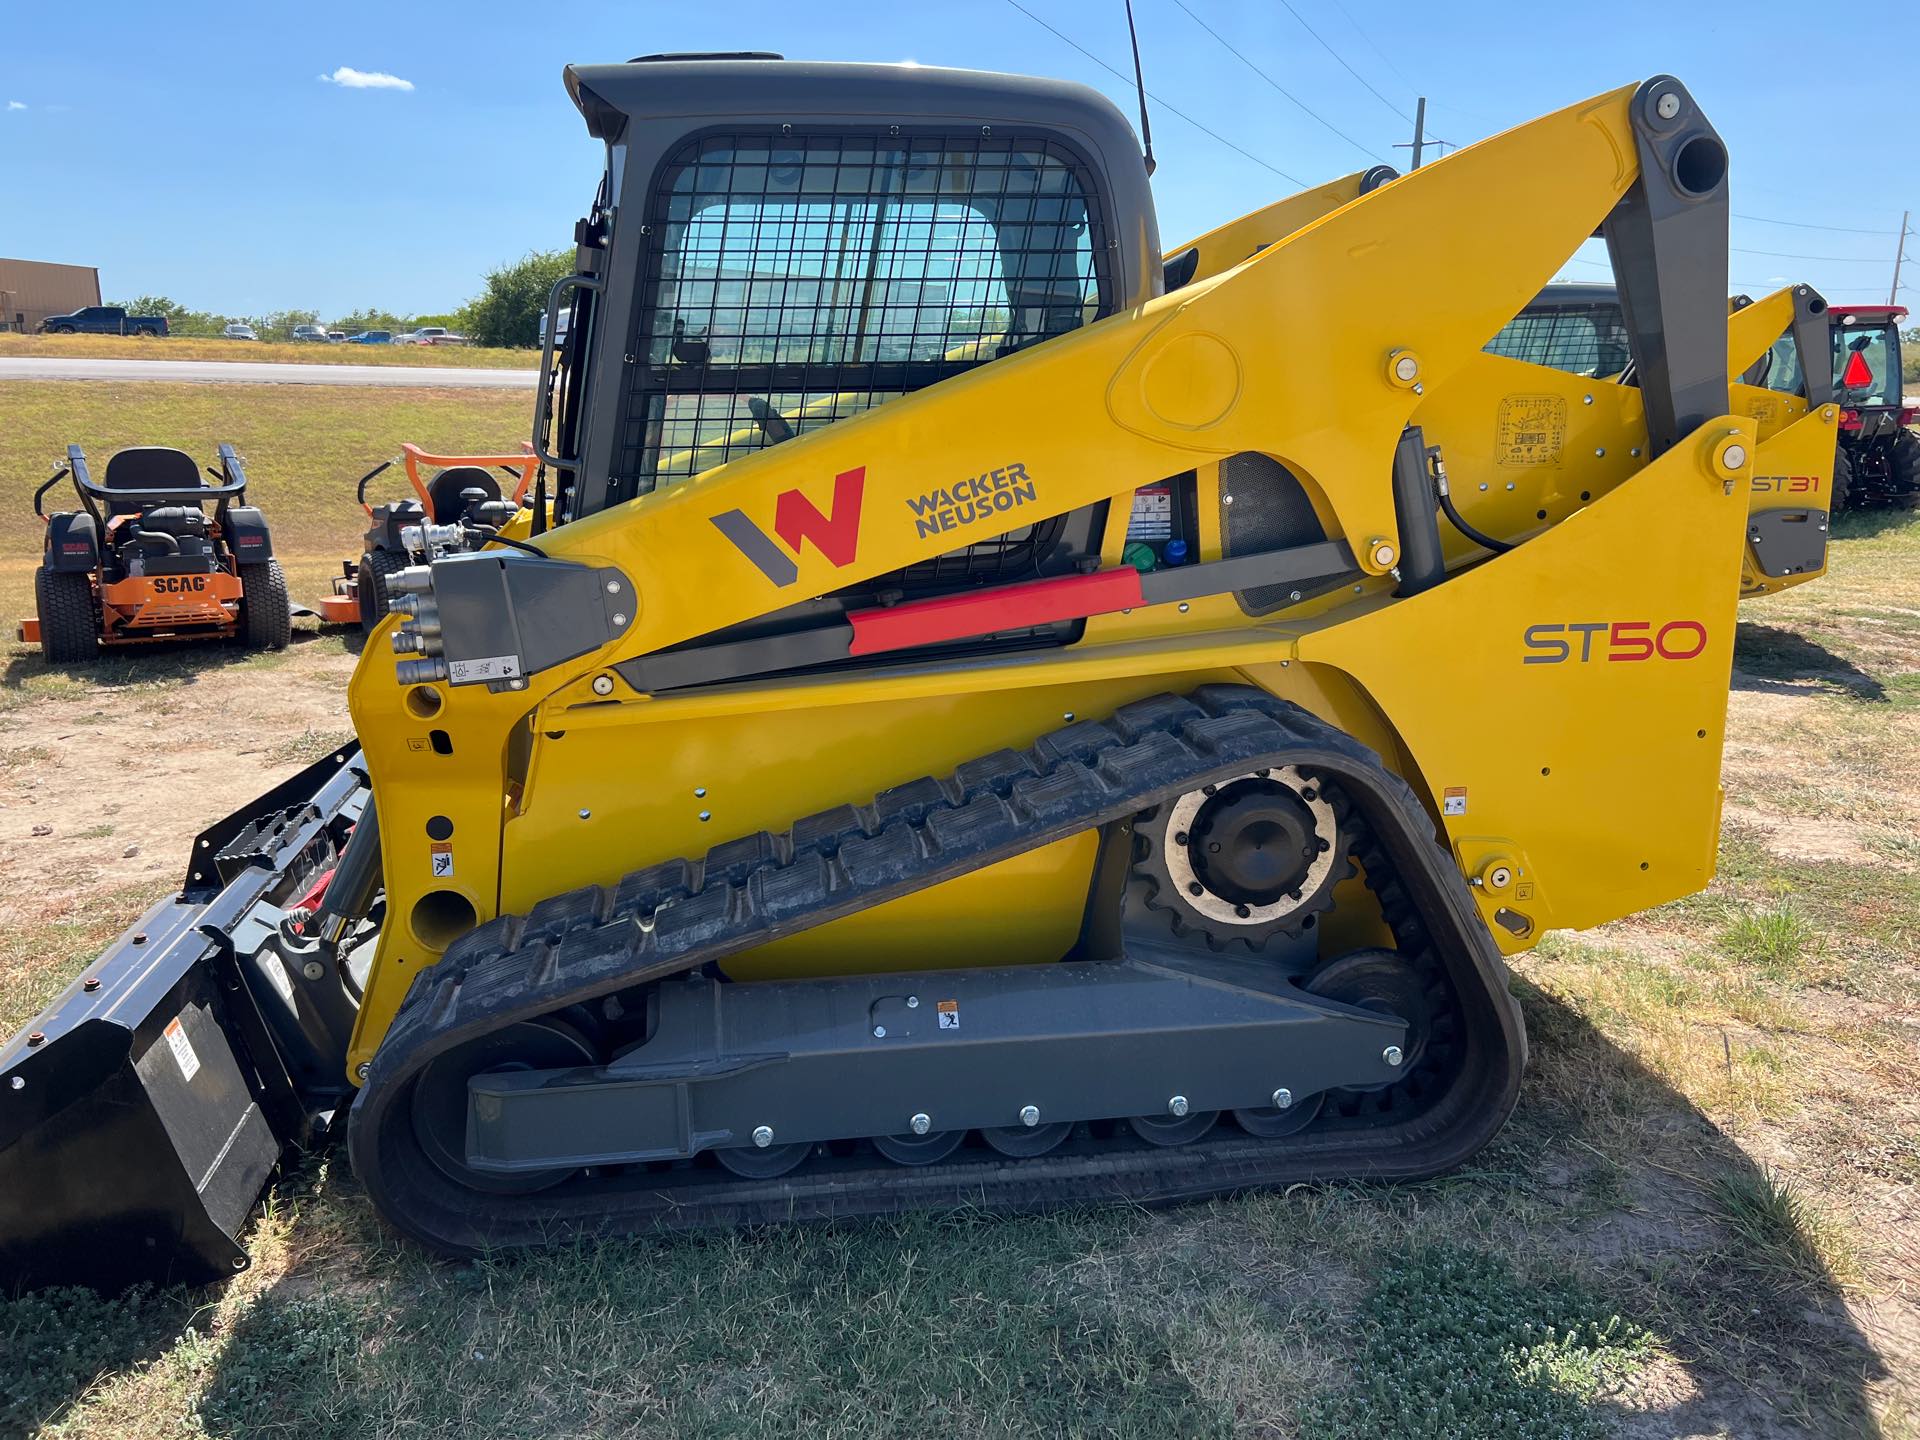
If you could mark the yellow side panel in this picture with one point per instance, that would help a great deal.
(1023, 911)
(1572, 724)
(1792, 471)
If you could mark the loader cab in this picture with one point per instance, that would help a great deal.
(1866, 356)
(777, 245)
(1579, 328)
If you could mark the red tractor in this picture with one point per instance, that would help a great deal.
(1879, 459)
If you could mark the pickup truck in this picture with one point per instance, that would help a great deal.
(103, 320)
(431, 335)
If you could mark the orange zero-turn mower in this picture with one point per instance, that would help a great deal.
(142, 560)
(448, 513)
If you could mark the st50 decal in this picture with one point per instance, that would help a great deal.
(835, 535)
(1613, 641)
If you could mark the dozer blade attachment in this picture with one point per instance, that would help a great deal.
(142, 1112)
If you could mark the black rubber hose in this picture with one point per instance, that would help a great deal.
(154, 542)
(1459, 522)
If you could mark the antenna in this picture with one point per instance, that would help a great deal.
(1140, 83)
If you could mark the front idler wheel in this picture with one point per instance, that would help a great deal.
(1381, 981)
(440, 1098)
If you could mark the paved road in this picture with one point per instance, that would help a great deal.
(241, 372)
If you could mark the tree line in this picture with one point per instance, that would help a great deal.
(505, 313)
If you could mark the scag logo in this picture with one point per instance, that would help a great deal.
(179, 584)
(1613, 641)
(1786, 484)
(796, 518)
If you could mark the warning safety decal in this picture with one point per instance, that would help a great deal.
(182, 1049)
(1531, 430)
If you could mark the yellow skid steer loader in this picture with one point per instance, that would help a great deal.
(999, 716)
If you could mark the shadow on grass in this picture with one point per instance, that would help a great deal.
(1507, 1295)
(1772, 659)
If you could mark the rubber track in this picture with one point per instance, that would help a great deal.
(676, 916)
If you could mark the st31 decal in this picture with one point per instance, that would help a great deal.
(1787, 484)
(1613, 641)
(796, 519)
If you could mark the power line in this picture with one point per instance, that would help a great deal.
(1164, 105)
(1276, 84)
(1368, 39)
(1806, 225)
(1348, 68)
(1789, 255)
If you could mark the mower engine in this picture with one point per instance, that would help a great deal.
(164, 540)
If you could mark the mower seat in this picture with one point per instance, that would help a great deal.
(149, 467)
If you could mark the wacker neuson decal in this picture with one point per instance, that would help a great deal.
(970, 501)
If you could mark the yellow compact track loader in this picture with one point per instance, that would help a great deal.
(988, 714)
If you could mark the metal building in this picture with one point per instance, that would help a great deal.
(31, 290)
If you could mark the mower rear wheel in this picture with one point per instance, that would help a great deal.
(69, 616)
(266, 619)
(376, 568)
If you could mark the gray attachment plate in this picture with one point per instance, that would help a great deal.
(1789, 542)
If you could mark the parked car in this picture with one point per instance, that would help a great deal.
(238, 331)
(104, 320)
(337, 337)
(559, 329)
(431, 335)
(371, 337)
(310, 332)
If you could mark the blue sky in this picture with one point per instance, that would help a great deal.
(194, 150)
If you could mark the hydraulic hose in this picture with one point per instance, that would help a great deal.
(1455, 518)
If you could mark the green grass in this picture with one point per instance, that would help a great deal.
(1774, 939)
(1452, 1344)
(1781, 1234)
(186, 347)
(304, 448)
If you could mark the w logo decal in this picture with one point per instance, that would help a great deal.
(796, 518)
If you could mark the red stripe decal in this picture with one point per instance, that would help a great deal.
(1010, 607)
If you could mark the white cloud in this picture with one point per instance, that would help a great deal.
(16, 105)
(351, 79)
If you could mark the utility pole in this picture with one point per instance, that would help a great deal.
(1420, 140)
(1899, 253)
